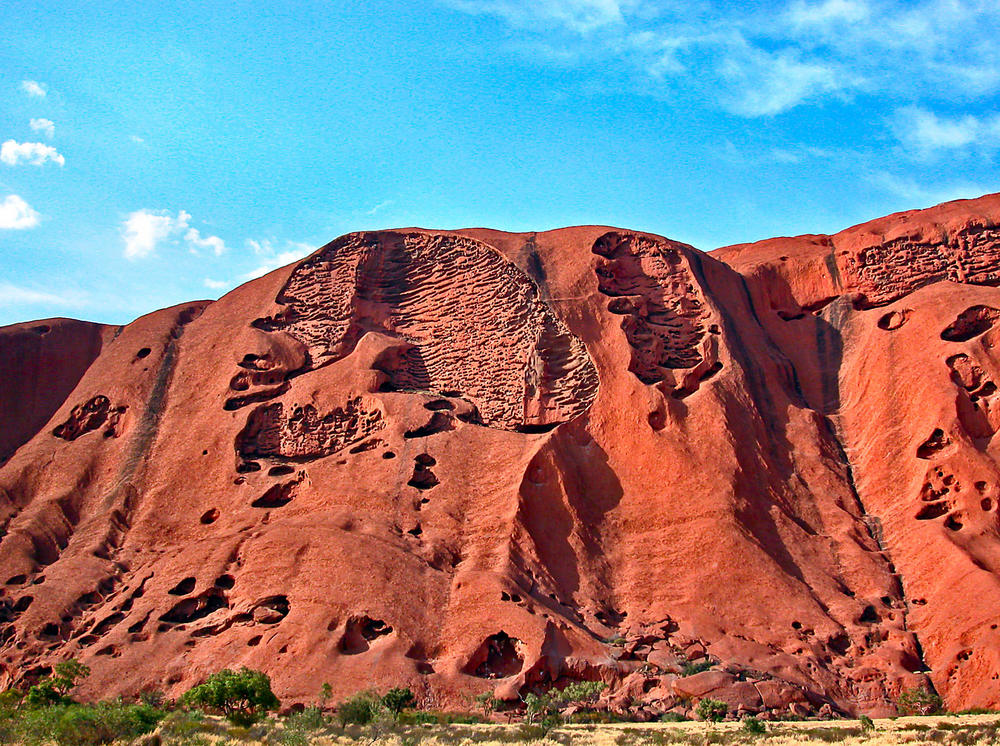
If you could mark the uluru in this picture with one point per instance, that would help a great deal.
(473, 460)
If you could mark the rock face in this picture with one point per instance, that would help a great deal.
(473, 460)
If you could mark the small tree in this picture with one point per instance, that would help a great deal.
(867, 724)
(487, 702)
(538, 706)
(396, 700)
(712, 710)
(55, 689)
(918, 701)
(242, 696)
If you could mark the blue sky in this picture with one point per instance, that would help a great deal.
(154, 153)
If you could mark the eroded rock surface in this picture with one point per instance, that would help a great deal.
(482, 461)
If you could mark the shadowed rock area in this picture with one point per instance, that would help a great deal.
(482, 461)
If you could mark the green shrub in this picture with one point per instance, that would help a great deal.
(672, 717)
(690, 669)
(181, 724)
(154, 698)
(360, 709)
(867, 724)
(531, 733)
(420, 717)
(580, 692)
(290, 737)
(85, 725)
(918, 701)
(10, 700)
(830, 735)
(311, 718)
(712, 710)
(242, 696)
(753, 726)
(598, 717)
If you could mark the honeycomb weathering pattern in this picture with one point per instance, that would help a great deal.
(890, 270)
(476, 323)
(305, 434)
(664, 311)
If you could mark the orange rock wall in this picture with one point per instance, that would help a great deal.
(475, 460)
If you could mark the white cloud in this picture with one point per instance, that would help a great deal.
(33, 88)
(32, 153)
(195, 239)
(136, 139)
(924, 133)
(46, 126)
(16, 214)
(145, 229)
(216, 284)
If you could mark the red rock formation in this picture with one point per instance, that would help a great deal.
(474, 460)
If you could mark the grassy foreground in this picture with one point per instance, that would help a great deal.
(966, 730)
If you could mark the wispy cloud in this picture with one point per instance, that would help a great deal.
(581, 16)
(16, 214)
(216, 284)
(760, 60)
(280, 260)
(915, 194)
(379, 207)
(34, 88)
(806, 15)
(14, 153)
(46, 126)
(273, 258)
(924, 133)
(763, 83)
(17, 295)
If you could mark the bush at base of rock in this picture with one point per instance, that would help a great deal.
(918, 701)
(711, 710)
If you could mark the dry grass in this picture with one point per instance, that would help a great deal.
(960, 730)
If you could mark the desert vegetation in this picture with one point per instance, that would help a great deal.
(238, 706)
